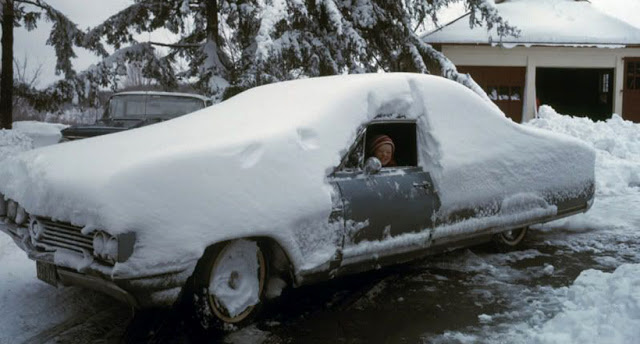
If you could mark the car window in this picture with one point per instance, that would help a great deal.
(355, 158)
(126, 106)
(170, 106)
(402, 134)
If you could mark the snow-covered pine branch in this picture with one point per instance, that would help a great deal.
(242, 44)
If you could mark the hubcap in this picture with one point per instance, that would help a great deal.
(233, 280)
(236, 281)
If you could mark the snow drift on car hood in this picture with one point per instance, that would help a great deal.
(258, 164)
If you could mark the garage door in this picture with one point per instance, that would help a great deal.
(631, 90)
(504, 85)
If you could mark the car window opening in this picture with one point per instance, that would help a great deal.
(403, 136)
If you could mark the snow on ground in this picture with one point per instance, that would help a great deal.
(599, 307)
(42, 134)
(13, 142)
(617, 145)
(30, 306)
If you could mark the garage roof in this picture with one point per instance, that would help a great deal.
(544, 22)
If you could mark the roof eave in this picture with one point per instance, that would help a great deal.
(545, 44)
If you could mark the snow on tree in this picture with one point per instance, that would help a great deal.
(63, 37)
(232, 45)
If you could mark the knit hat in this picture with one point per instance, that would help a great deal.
(380, 140)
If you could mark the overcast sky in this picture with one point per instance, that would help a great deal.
(89, 13)
(86, 13)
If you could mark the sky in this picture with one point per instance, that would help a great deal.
(85, 13)
(88, 13)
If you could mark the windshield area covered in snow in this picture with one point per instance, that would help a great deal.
(149, 106)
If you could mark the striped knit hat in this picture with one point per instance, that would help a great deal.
(380, 140)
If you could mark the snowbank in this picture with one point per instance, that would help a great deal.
(42, 134)
(13, 142)
(616, 142)
(617, 146)
(600, 308)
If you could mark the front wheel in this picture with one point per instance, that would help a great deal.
(510, 239)
(230, 285)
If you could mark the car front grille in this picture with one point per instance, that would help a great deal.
(55, 234)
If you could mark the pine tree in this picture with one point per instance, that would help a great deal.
(63, 37)
(232, 45)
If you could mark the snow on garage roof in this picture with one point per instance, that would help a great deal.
(544, 22)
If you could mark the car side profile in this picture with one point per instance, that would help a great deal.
(279, 186)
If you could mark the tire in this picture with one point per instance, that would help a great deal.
(511, 239)
(230, 285)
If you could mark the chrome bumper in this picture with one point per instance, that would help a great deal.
(137, 292)
(70, 278)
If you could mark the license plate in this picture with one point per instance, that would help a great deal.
(47, 272)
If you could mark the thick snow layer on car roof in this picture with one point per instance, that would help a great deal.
(258, 164)
(545, 22)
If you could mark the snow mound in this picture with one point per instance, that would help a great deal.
(13, 142)
(616, 142)
(600, 308)
(42, 134)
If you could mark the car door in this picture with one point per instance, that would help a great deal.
(392, 201)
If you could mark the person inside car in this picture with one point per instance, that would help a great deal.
(383, 148)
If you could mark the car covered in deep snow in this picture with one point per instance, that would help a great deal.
(134, 109)
(278, 185)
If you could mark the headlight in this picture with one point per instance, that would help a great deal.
(111, 248)
(21, 216)
(99, 241)
(12, 210)
(110, 251)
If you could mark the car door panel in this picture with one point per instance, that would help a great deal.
(387, 204)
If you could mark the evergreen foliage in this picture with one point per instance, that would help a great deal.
(64, 36)
(233, 45)
(226, 46)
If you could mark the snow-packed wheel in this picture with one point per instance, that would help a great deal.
(229, 287)
(510, 239)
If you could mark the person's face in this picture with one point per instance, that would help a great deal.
(384, 153)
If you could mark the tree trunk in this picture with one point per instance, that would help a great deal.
(6, 78)
(212, 21)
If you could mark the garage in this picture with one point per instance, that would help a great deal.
(504, 86)
(631, 90)
(574, 65)
(583, 92)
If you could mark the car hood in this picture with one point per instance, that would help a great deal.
(257, 164)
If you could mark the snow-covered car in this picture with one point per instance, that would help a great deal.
(278, 186)
(134, 109)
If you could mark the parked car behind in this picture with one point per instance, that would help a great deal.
(277, 185)
(127, 110)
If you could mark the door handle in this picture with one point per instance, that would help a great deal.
(422, 185)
